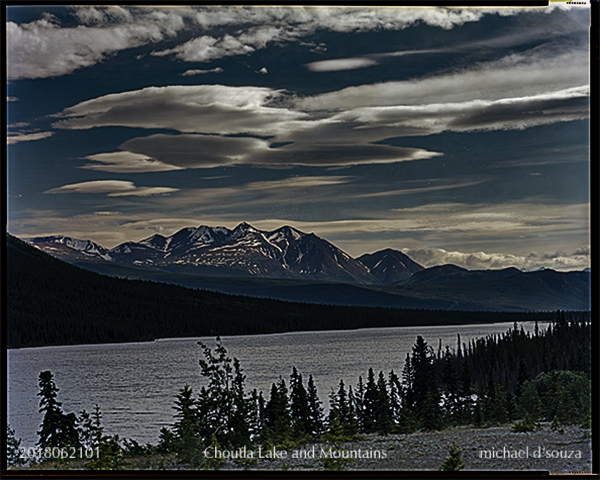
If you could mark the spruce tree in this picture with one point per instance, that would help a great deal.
(13, 449)
(315, 409)
(430, 415)
(529, 402)
(341, 421)
(57, 429)
(454, 461)
(371, 399)
(223, 406)
(277, 413)
(424, 391)
(187, 443)
(299, 408)
(407, 384)
(359, 403)
(395, 398)
(465, 393)
(451, 388)
(384, 413)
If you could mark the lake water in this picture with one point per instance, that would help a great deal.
(135, 384)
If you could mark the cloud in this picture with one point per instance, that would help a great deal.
(207, 48)
(207, 151)
(518, 91)
(125, 162)
(291, 24)
(113, 188)
(43, 48)
(190, 73)
(12, 139)
(195, 108)
(504, 114)
(340, 64)
(560, 261)
(535, 72)
(198, 151)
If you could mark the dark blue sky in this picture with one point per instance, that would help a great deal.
(455, 135)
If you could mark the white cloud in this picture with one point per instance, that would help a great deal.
(536, 72)
(190, 73)
(207, 48)
(44, 48)
(197, 108)
(125, 162)
(340, 64)
(560, 261)
(113, 188)
(12, 139)
(516, 92)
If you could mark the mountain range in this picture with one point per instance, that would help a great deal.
(242, 252)
(288, 264)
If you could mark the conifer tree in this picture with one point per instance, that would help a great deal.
(529, 402)
(315, 408)
(424, 391)
(430, 415)
(359, 403)
(277, 413)
(407, 384)
(465, 393)
(384, 414)
(395, 398)
(454, 461)
(299, 408)
(90, 427)
(451, 388)
(13, 452)
(371, 397)
(57, 429)
(187, 442)
(341, 420)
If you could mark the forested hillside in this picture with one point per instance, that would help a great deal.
(50, 302)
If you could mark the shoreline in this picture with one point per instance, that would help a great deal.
(292, 332)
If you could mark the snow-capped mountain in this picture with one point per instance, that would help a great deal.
(61, 246)
(243, 251)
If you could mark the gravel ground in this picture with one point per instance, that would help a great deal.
(494, 448)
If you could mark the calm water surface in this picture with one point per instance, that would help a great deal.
(135, 384)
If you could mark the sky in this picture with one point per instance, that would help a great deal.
(456, 135)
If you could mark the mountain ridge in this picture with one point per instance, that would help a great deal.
(442, 287)
(285, 252)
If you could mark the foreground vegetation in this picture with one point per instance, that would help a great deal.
(50, 302)
(516, 378)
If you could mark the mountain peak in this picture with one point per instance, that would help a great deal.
(389, 265)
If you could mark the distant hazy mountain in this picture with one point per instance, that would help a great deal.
(453, 273)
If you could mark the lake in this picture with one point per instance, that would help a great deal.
(135, 384)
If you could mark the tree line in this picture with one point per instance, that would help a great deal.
(517, 376)
(50, 302)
